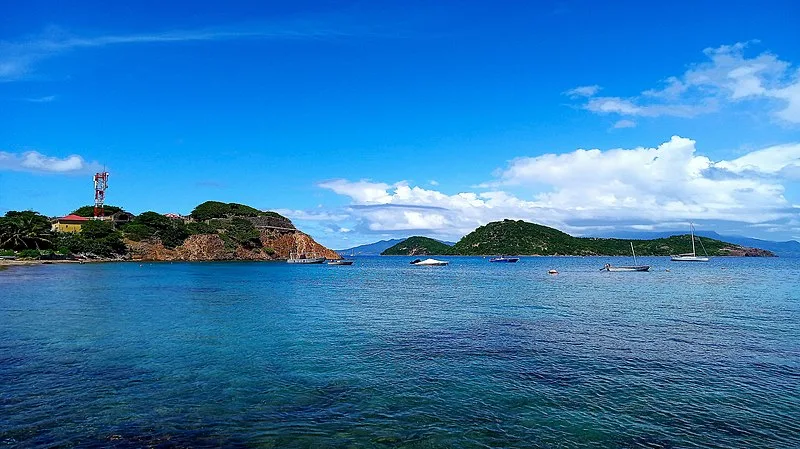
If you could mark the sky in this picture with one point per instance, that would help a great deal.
(368, 120)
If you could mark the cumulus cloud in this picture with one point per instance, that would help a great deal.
(641, 186)
(773, 160)
(363, 191)
(727, 77)
(33, 161)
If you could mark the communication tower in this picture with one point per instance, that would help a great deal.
(100, 186)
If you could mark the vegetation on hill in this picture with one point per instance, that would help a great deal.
(417, 246)
(217, 209)
(98, 238)
(523, 238)
(152, 225)
(515, 237)
(88, 211)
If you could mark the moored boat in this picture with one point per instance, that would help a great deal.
(691, 257)
(303, 258)
(609, 267)
(341, 262)
(504, 259)
(429, 263)
(634, 267)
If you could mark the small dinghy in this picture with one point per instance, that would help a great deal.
(429, 263)
(634, 267)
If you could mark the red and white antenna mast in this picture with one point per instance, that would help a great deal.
(100, 186)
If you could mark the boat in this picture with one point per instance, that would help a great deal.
(429, 263)
(302, 258)
(691, 257)
(341, 262)
(634, 267)
(504, 259)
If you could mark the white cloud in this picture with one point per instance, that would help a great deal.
(33, 161)
(583, 91)
(772, 160)
(18, 58)
(311, 216)
(363, 192)
(727, 77)
(433, 182)
(625, 124)
(46, 99)
(639, 186)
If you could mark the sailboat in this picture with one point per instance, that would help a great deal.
(691, 257)
(609, 267)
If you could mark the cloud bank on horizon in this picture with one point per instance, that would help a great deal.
(670, 183)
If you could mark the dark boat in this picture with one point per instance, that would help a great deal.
(504, 259)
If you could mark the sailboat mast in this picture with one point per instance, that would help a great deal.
(691, 229)
(634, 254)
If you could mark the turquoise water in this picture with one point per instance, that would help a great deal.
(383, 354)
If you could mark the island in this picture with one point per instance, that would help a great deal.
(517, 237)
(417, 246)
(213, 231)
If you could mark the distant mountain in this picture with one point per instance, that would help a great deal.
(789, 248)
(375, 249)
(371, 249)
(417, 246)
(523, 238)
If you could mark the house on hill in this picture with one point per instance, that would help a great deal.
(70, 223)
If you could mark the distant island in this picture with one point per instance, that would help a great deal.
(417, 246)
(523, 238)
(213, 231)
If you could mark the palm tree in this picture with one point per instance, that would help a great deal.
(25, 230)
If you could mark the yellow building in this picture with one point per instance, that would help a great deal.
(70, 223)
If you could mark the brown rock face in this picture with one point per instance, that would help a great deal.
(285, 243)
(277, 244)
(742, 251)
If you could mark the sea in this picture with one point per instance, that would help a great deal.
(385, 354)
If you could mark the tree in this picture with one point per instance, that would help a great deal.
(152, 225)
(88, 211)
(25, 230)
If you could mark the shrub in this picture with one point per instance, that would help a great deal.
(29, 254)
(152, 225)
(199, 227)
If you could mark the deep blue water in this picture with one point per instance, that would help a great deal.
(383, 354)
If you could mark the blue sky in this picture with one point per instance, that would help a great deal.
(368, 120)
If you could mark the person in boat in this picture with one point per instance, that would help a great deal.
(607, 266)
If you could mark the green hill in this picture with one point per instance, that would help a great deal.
(417, 246)
(523, 238)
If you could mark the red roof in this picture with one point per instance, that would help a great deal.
(73, 217)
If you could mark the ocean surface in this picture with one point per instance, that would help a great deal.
(384, 354)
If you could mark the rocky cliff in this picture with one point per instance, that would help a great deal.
(276, 245)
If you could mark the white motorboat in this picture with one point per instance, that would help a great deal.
(429, 263)
(691, 257)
